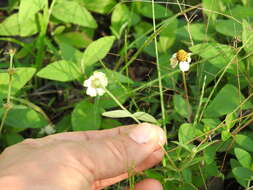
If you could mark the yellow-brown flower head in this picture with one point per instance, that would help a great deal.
(182, 58)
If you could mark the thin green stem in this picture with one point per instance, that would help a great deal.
(8, 105)
(158, 70)
(121, 106)
(187, 96)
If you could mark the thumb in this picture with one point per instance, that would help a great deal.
(111, 156)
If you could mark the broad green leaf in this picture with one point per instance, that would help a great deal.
(21, 76)
(97, 50)
(11, 26)
(73, 12)
(186, 133)
(210, 7)
(243, 173)
(187, 175)
(241, 12)
(69, 53)
(117, 114)
(168, 35)
(60, 71)
(86, 116)
(121, 18)
(199, 32)
(160, 11)
(222, 105)
(247, 36)
(140, 29)
(116, 77)
(243, 157)
(181, 106)
(225, 135)
(245, 142)
(219, 55)
(28, 8)
(145, 117)
(110, 123)
(210, 154)
(102, 7)
(228, 28)
(64, 124)
(24, 117)
(13, 138)
(76, 39)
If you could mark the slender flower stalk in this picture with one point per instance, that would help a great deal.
(96, 86)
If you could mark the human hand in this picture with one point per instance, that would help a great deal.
(89, 160)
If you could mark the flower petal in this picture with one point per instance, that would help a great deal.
(184, 66)
(100, 91)
(91, 92)
(87, 82)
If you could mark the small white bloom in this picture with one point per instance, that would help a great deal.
(96, 84)
(48, 130)
(184, 66)
(182, 58)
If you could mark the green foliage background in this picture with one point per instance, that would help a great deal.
(48, 48)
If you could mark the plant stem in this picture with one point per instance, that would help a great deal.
(8, 105)
(187, 96)
(159, 70)
(121, 106)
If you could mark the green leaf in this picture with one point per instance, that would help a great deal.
(247, 36)
(218, 55)
(243, 157)
(11, 27)
(12, 138)
(122, 18)
(97, 50)
(187, 175)
(168, 35)
(21, 76)
(116, 77)
(60, 71)
(28, 8)
(160, 11)
(76, 39)
(181, 106)
(24, 117)
(210, 6)
(186, 133)
(123, 114)
(99, 6)
(210, 154)
(64, 124)
(241, 12)
(145, 117)
(243, 173)
(73, 12)
(228, 28)
(230, 98)
(117, 114)
(86, 116)
(245, 142)
(109, 123)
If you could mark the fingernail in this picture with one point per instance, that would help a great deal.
(145, 132)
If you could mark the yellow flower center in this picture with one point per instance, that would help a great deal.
(182, 55)
(95, 83)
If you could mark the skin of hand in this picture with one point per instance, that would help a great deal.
(89, 160)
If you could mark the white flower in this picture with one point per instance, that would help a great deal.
(49, 130)
(184, 66)
(182, 58)
(96, 84)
